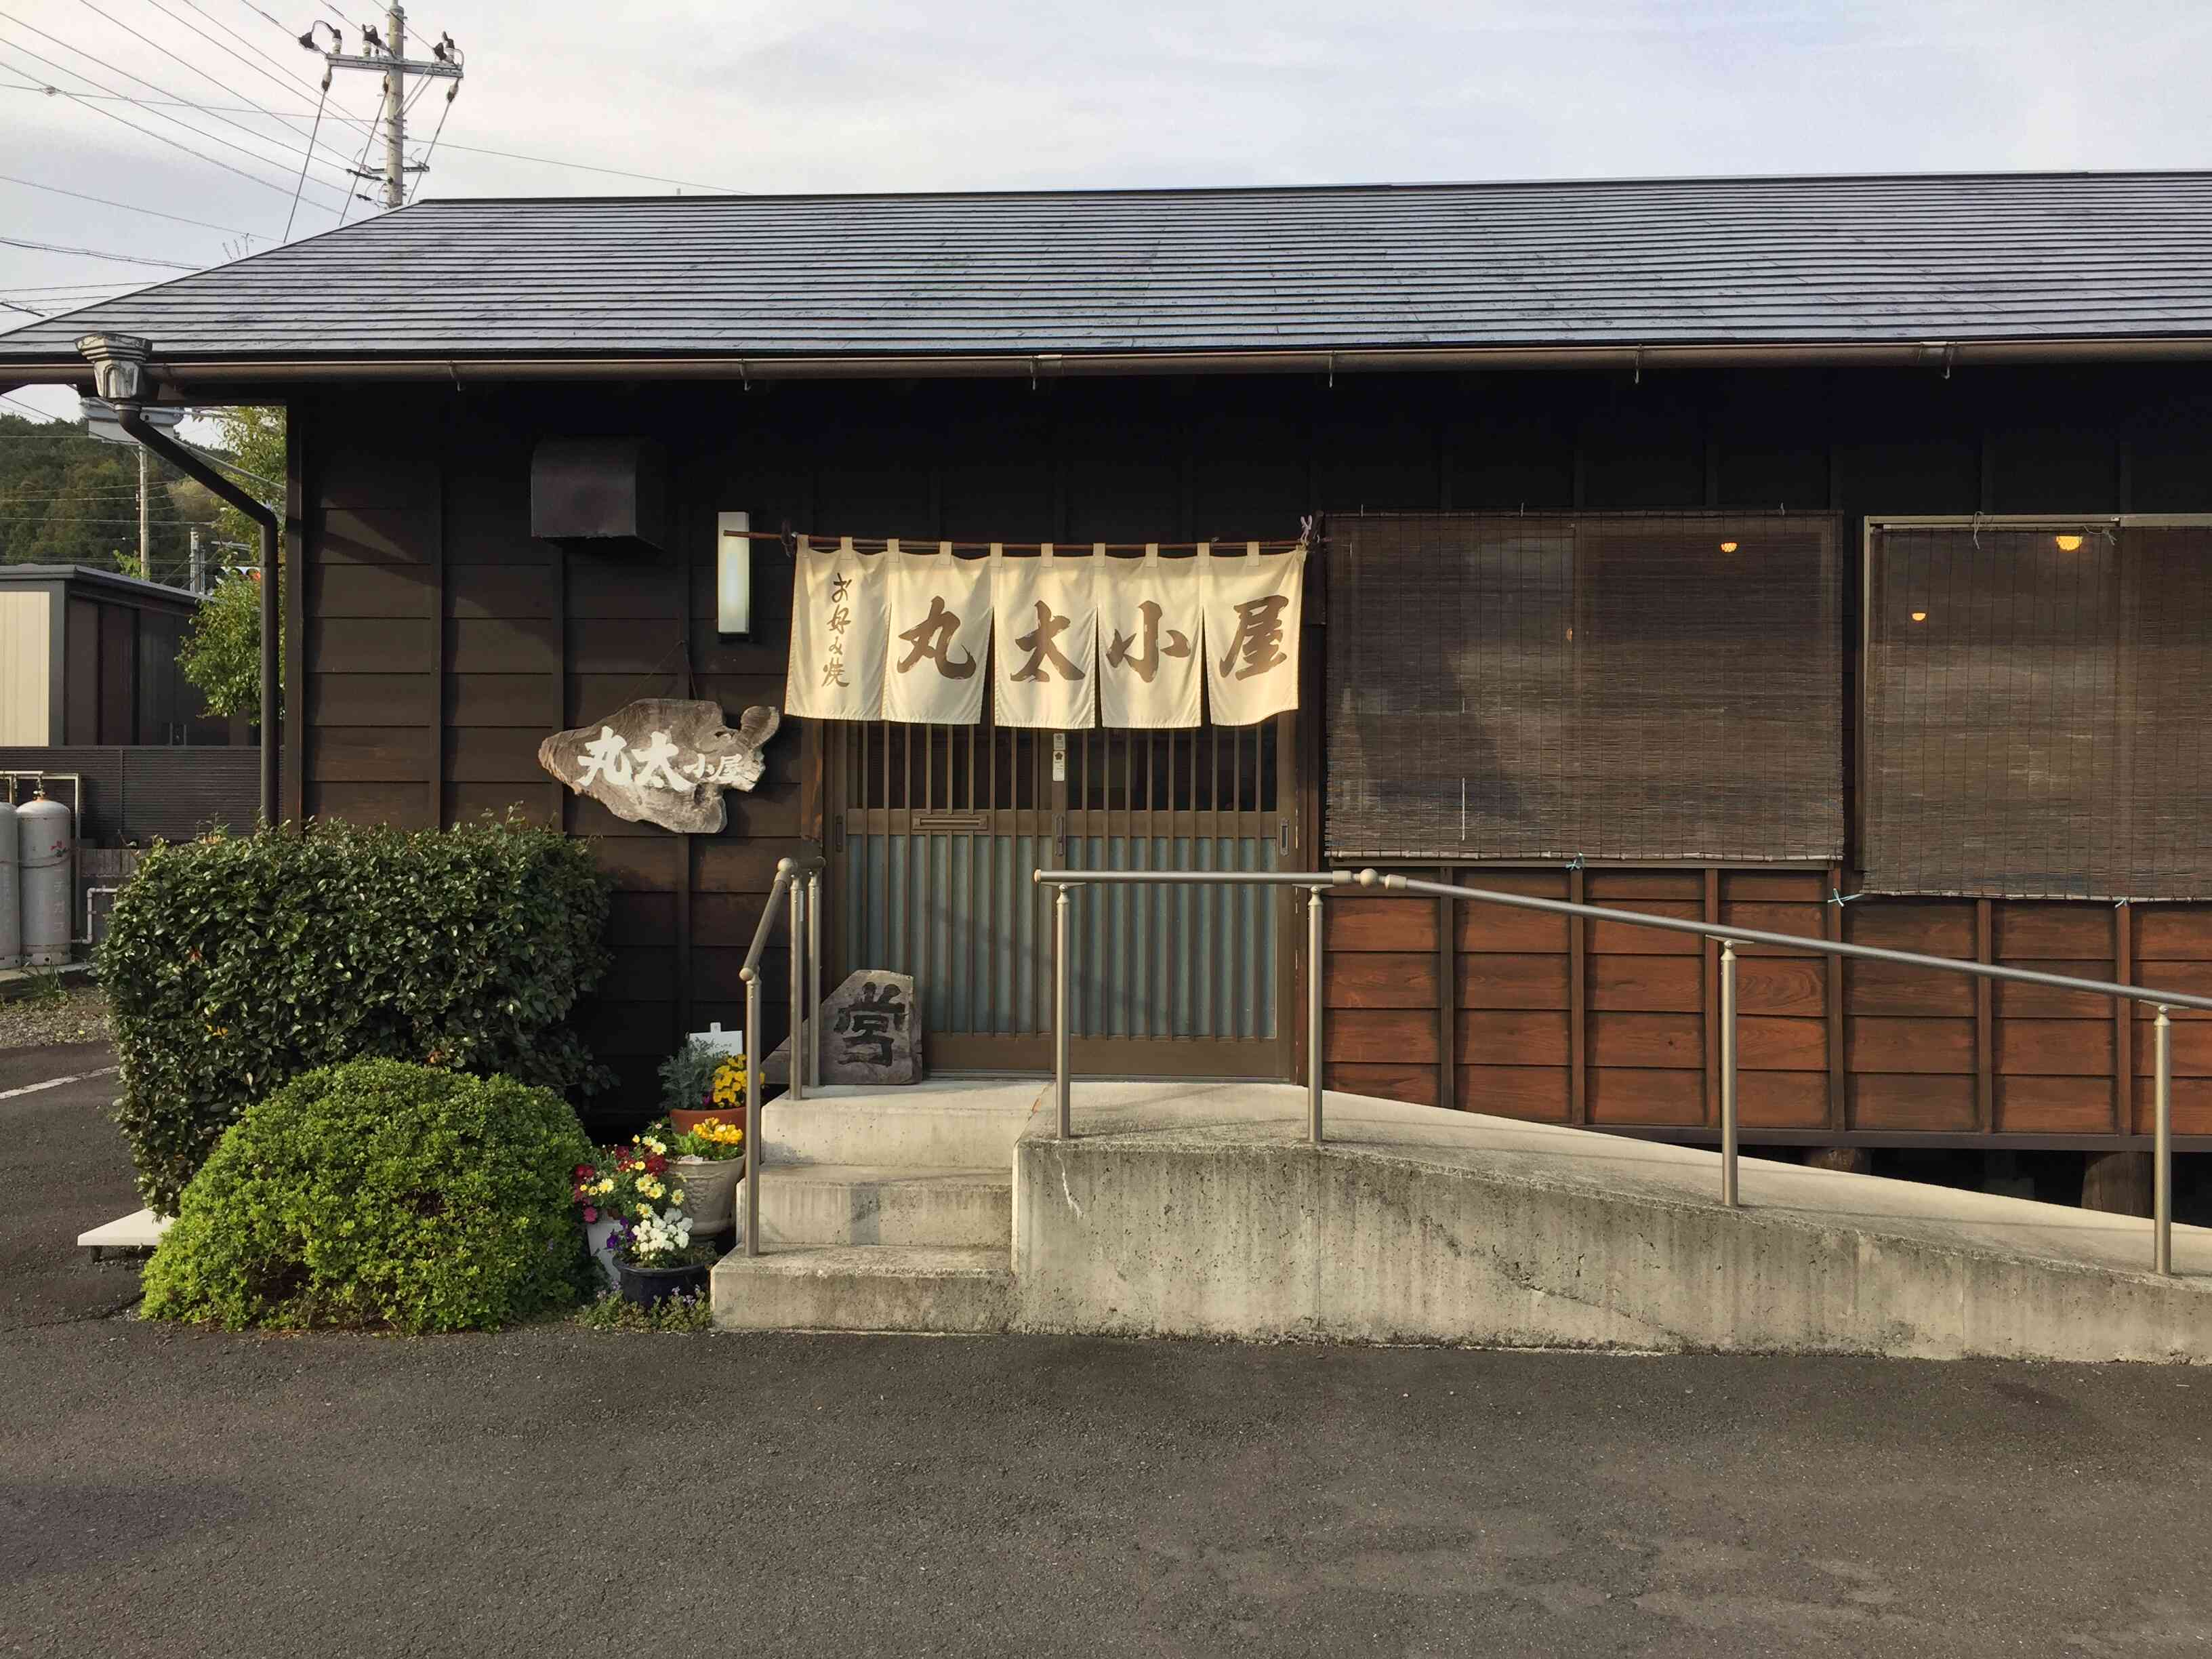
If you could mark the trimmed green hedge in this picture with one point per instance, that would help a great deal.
(383, 1195)
(234, 964)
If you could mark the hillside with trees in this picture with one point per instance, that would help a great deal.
(68, 498)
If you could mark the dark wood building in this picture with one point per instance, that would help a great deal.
(1826, 555)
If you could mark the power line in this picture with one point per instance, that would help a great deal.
(296, 80)
(158, 137)
(584, 167)
(197, 132)
(94, 253)
(126, 98)
(51, 419)
(29, 311)
(290, 87)
(174, 57)
(301, 183)
(33, 183)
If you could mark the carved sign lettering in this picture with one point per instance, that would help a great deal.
(662, 760)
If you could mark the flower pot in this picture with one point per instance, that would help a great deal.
(709, 1185)
(596, 1237)
(647, 1286)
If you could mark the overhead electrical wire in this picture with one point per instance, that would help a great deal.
(197, 132)
(94, 253)
(295, 82)
(171, 53)
(301, 183)
(126, 98)
(128, 207)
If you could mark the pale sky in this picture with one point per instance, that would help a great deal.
(778, 95)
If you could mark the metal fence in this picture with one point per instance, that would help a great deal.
(1730, 939)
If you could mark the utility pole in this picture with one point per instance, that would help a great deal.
(199, 564)
(388, 56)
(145, 523)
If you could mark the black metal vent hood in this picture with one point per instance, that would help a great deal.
(604, 493)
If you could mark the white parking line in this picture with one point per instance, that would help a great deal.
(54, 1083)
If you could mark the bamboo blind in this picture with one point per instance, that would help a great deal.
(2038, 716)
(1608, 687)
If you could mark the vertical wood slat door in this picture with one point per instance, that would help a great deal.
(935, 831)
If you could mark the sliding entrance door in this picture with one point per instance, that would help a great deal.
(934, 831)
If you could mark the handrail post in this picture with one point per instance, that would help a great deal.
(1728, 1074)
(2162, 1151)
(1062, 1084)
(814, 979)
(1314, 979)
(753, 1112)
(795, 915)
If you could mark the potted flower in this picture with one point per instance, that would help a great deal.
(626, 1183)
(709, 1160)
(657, 1259)
(696, 1083)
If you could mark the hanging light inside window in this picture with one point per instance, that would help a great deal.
(733, 572)
(1728, 547)
(2068, 543)
(1920, 616)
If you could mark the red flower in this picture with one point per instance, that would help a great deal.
(590, 1214)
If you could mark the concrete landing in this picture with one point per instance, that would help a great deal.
(865, 1288)
(883, 1204)
(1197, 1209)
(944, 1123)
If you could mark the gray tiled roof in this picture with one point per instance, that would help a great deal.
(1854, 260)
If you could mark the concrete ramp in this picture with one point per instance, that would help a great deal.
(1198, 1210)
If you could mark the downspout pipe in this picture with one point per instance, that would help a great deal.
(119, 371)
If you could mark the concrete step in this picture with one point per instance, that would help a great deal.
(846, 1287)
(883, 1203)
(946, 1123)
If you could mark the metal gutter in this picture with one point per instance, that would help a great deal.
(121, 366)
(1055, 365)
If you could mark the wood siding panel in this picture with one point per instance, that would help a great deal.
(1487, 980)
(1381, 1036)
(1511, 1037)
(1532, 1091)
(1413, 1083)
(1379, 980)
(1407, 924)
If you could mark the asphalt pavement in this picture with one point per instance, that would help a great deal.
(556, 1491)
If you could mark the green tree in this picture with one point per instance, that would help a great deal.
(221, 652)
(67, 498)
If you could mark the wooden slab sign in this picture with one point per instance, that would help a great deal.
(662, 760)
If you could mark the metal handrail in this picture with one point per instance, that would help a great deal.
(1319, 881)
(799, 881)
(1730, 938)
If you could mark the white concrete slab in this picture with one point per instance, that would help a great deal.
(1199, 1209)
(944, 1123)
(140, 1229)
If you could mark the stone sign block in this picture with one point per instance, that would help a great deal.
(662, 760)
(870, 1033)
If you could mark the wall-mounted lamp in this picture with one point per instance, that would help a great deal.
(1920, 616)
(2067, 544)
(1728, 547)
(733, 572)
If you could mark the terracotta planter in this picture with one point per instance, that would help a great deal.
(709, 1185)
(648, 1286)
(685, 1122)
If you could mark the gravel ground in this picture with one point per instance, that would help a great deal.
(79, 1015)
